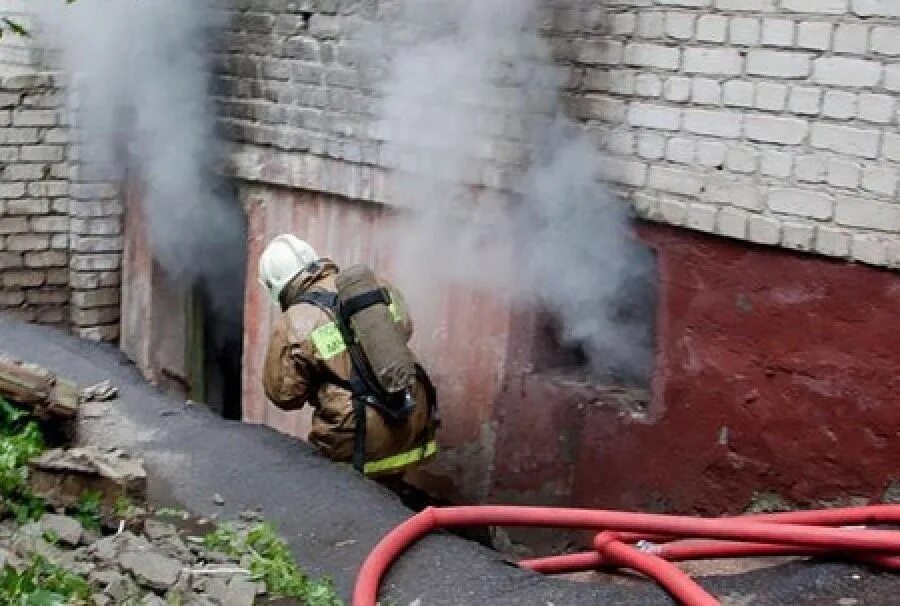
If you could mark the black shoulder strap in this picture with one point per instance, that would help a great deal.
(362, 387)
(354, 305)
(323, 299)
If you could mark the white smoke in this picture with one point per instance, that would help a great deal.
(140, 75)
(471, 96)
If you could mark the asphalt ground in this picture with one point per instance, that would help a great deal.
(332, 517)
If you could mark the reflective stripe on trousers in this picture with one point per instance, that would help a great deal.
(404, 459)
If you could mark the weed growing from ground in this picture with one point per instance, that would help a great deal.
(20, 440)
(271, 562)
(87, 510)
(42, 583)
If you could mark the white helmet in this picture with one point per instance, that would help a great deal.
(284, 257)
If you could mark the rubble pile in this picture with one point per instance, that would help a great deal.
(153, 563)
(76, 527)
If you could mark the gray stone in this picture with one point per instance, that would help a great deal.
(241, 592)
(101, 599)
(90, 536)
(217, 588)
(250, 515)
(152, 569)
(108, 549)
(100, 392)
(68, 561)
(8, 529)
(175, 547)
(68, 530)
(152, 599)
(105, 550)
(199, 583)
(30, 540)
(121, 590)
(155, 529)
(62, 476)
(104, 577)
(95, 410)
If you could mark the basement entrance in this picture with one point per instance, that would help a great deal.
(182, 327)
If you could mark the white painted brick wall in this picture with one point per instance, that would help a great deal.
(18, 54)
(51, 224)
(773, 121)
(780, 125)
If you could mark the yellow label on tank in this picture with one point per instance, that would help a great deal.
(328, 341)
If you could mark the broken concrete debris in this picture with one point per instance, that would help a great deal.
(65, 529)
(146, 557)
(103, 391)
(151, 568)
(62, 476)
(240, 592)
(133, 568)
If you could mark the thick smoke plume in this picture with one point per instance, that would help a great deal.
(139, 77)
(471, 96)
(139, 81)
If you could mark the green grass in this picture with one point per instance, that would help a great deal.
(123, 508)
(20, 440)
(87, 510)
(42, 583)
(271, 562)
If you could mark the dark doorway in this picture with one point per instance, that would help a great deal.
(217, 326)
(184, 331)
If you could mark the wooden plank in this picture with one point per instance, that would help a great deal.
(37, 388)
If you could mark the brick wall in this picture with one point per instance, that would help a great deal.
(60, 236)
(17, 54)
(716, 116)
(773, 121)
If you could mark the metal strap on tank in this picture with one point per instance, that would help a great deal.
(356, 304)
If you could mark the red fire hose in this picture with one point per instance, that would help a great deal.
(795, 533)
(706, 550)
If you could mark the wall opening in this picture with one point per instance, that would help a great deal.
(635, 304)
(183, 330)
(220, 299)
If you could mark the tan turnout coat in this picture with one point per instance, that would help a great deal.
(295, 375)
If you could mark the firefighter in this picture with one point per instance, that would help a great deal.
(320, 353)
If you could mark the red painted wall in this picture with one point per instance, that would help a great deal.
(775, 372)
(797, 356)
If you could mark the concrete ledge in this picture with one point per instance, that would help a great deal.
(332, 517)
